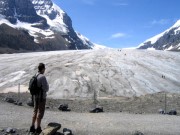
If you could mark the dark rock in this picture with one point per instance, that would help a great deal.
(51, 129)
(22, 10)
(30, 102)
(161, 111)
(67, 131)
(58, 133)
(96, 110)
(18, 103)
(64, 107)
(138, 133)
(9, 100)
(172, 112)
(16, 39)
(10, 130)
(47, 107)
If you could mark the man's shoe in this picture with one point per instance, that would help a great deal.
(32, 129)
(38, 130)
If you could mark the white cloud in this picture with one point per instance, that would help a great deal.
(120, 4)
(88, 2)
(118, 35)
(160, 22)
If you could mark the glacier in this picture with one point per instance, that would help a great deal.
(104, 72)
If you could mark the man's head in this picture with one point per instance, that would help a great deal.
(41, 68)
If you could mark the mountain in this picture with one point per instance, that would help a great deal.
(87, 42)
(167, 40)
(36, 25)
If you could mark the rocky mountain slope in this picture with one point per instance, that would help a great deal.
(43, 25)
(92, 73)
(167, 40)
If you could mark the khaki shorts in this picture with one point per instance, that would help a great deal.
(39, 108)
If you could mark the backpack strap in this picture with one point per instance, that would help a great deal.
(37, 75)
(41, 91)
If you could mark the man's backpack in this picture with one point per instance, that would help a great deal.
(33, 86)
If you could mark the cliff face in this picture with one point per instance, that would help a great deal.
(22, 10)
(13, 40)
(61, 22)
(168, 40)
(46, 24)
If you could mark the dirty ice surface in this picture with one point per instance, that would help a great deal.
(88, 73)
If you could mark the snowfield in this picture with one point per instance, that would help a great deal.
(102, 73)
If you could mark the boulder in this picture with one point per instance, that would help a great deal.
(1, 130)
(10, 130)
(96, 110)
(18, 103)
(172, 112)
(161, 111)
(30, 102)
(138, 133)
(9, 100)
(67, 131)
(64, 107)
(58, 133)
(47, 107)
(51, 129)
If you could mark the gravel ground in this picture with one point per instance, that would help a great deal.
(93, 124)
(84, 123)
(148, 104)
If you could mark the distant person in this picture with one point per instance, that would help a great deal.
(39, 100)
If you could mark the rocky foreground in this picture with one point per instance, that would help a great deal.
(148, 104)
(121, 115)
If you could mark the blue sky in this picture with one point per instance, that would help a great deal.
(121, 23)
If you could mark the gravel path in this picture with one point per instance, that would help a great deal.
(93, 124)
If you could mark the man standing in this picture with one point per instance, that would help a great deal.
(39, 99)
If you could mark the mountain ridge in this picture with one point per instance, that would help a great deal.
(167, 40)
(49, 26)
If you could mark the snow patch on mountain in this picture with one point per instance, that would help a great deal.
(46, 9)
(97, 47)
(87, 42)
(33, 31)
(47, 21)
(84, 39)
(43, 8)
(154, 39)
(177, 24)
(3, 20)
